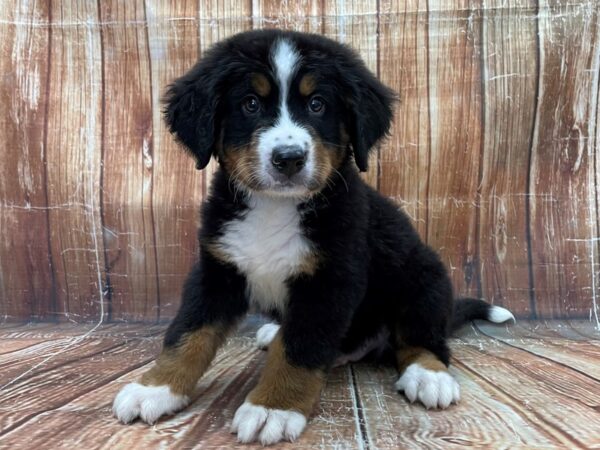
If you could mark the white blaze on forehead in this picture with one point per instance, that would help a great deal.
(285, 60)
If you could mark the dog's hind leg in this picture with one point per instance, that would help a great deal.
(422, 325)
(425, 378)
(213, 300)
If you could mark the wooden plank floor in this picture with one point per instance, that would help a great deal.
(532, 385)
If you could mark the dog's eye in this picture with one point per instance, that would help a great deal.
(251, 105)
(316, 105)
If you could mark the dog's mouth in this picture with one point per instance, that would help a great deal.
(298, 185)
(252, 172)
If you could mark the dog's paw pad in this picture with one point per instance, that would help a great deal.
(146, 402)
(268, 426)
(266, 334)
(435, 389)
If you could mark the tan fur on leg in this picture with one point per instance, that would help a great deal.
(426, 359)
(285, 386)
(180, 367)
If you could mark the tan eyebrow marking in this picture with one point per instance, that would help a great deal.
(261, 84)
(308, 84)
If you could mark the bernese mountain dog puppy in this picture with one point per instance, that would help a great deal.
(291, 229)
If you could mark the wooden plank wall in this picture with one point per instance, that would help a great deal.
(492, 152)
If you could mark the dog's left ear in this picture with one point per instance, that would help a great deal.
(190, 110)
(370, 111)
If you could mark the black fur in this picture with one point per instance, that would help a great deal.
(468, 309)
(374, 270)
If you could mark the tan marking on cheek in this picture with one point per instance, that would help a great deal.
(327, 158)
(180, 367)
(284, 386)
(261, 84)
(426, 359)
(242, 164)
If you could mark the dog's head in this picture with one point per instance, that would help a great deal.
(280, 110)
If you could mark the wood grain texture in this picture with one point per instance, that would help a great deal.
(73, 162)
(509, 76)
(481, 420)
(87, 397)
(455, 100)
(492, 153)
(128, 163)
(174, 48)
(513, 394)
(580, 353)
(303, 15)
(404, 157)
(562, 190)
(27, 287)
(574, 420)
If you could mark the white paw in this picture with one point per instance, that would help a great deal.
(257, 423)
(266, 334)
(146, 402)
(435, 389)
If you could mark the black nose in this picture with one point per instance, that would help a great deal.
(288, 159)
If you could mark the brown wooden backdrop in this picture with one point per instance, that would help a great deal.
(492, 153)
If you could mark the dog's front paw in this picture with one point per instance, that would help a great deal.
(146, 402)
(257, 423)
(266, 334)
(435, 389)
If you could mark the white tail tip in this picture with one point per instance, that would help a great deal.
(497, 314)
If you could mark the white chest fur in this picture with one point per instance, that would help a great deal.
(267, 246)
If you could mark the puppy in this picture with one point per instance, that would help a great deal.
(290, 228)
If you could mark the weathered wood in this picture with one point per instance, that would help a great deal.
(432, 162)
(455, 99)
(73, 161)
(26, 267)
(492, 151)
(304, 15)
(511, 397)
(128, 164)
(561, 192)
(508, 82)
(173, 45)
(13, 346)
(480, 420)
(579, 354)
(55, 352)
(204, 424)
(57, 386)
(564, 401)
(404, 156)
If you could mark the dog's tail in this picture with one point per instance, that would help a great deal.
(468, 309)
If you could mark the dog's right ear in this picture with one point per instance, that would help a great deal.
(190, 110)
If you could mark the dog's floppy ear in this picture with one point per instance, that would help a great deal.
(370, 113)
(190, 110)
